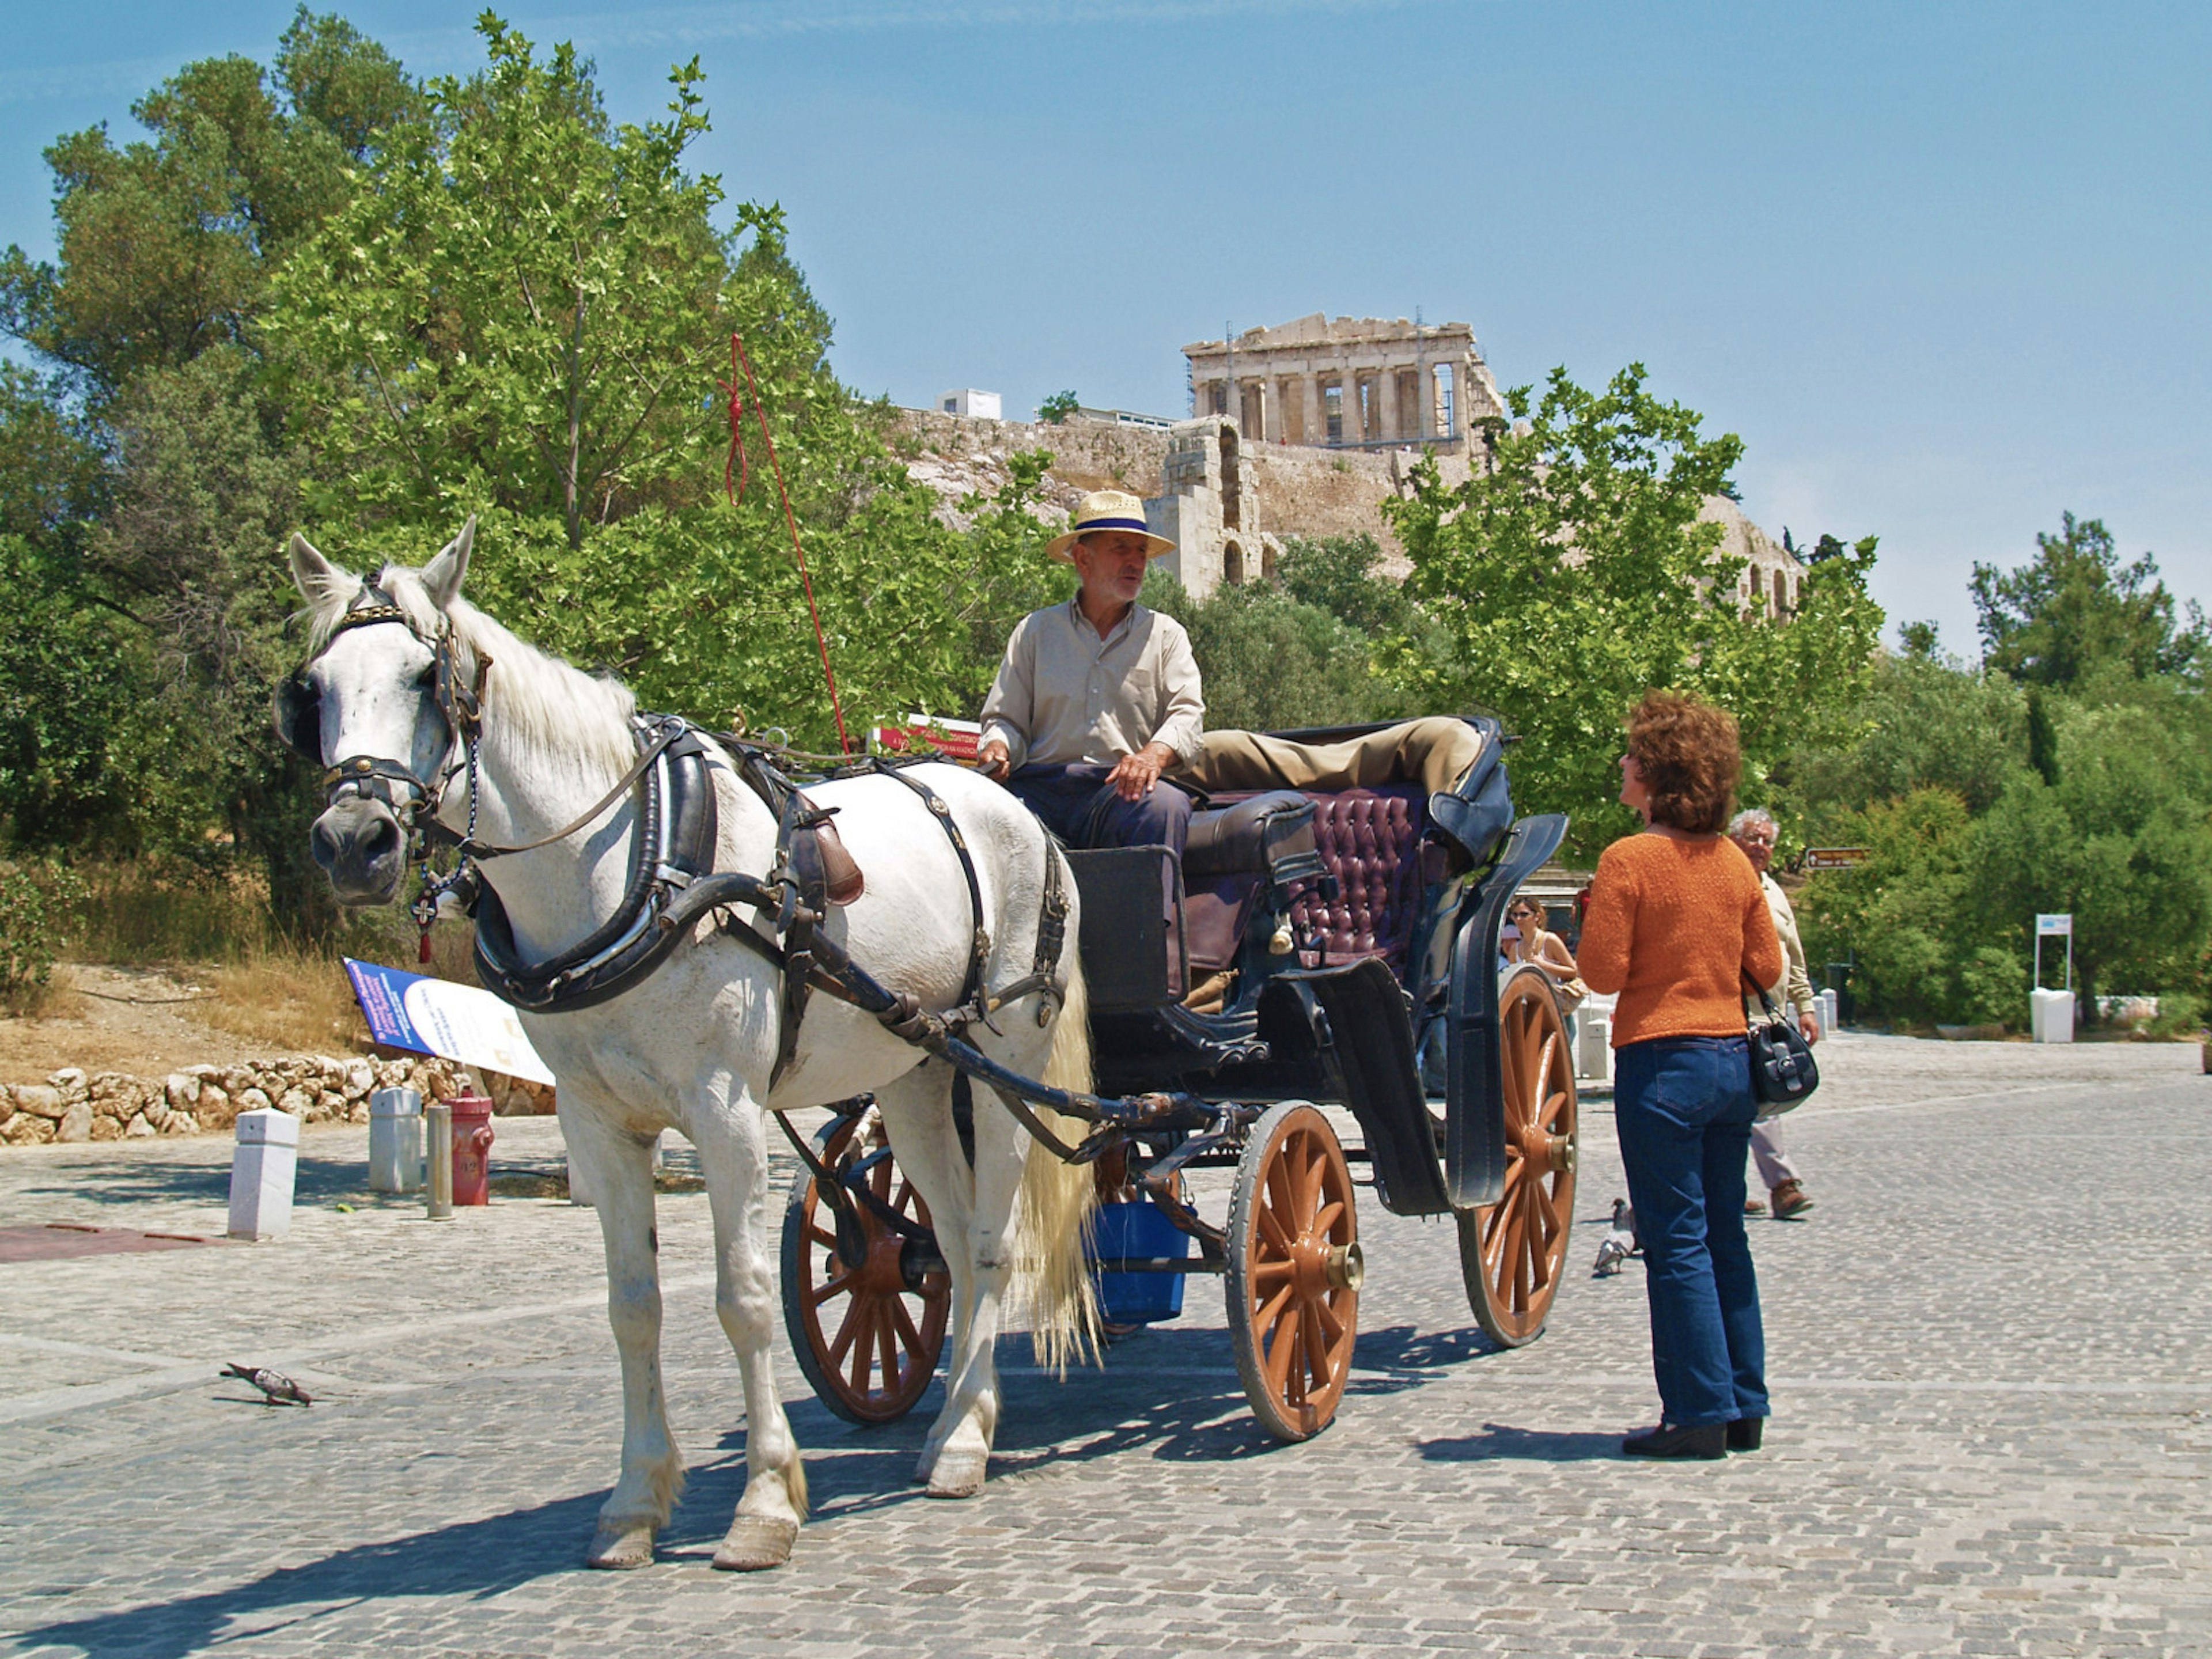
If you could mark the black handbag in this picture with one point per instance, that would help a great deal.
(1784, 1073)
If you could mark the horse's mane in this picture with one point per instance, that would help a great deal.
(541, 708)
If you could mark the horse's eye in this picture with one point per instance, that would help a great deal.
(428, 679)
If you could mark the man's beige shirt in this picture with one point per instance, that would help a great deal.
(1064, 697)
(1798, 982)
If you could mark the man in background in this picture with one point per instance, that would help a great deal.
(1753, 831)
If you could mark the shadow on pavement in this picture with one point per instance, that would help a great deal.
(475, 1559)
(149, 1182)
(1535, 1445)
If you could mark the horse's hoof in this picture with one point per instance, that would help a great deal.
(617, 1548)
(958, 1474)
(754, 1543)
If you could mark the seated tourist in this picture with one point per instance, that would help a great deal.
(1096, 697)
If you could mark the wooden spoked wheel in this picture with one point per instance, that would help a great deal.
(1510, 1252)
(1294, 1271)
(865, 1326)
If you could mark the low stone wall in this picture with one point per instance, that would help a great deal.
(72, 1106)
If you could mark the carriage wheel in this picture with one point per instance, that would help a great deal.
(1294, 1271)
(867, 1337)
(1510, 1252)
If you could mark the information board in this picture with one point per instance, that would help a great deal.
(437, 1016)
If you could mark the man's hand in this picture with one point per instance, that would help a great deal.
(1808, 1027)
(1135, 776)
(991, 760)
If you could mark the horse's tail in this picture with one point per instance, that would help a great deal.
(1057, 1199)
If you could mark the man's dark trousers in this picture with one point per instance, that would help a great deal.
(1078, 804)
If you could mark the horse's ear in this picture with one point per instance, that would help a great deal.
(442, 577)
(322, 584)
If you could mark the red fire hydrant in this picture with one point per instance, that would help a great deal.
(472, 1138)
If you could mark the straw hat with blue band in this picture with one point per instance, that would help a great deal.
(1103, 510)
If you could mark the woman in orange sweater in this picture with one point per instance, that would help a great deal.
(1676, 922)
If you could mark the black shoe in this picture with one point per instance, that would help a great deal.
(1744, 1434)
(1706, 1440)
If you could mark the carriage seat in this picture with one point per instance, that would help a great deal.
(1270, 833)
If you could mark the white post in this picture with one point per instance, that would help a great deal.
(395, 1140)
(2050, 1015)
(1593, 1047)
(263, 1167)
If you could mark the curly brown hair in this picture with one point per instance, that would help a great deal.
(1690, 758)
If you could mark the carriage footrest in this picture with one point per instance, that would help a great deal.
(1364, 1031)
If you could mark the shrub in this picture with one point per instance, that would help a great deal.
(36, 904)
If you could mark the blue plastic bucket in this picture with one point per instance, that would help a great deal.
(1138, 1229)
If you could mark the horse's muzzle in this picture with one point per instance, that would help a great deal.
(362, 847)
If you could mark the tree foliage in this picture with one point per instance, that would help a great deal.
(2069, 771)
(165, 243)
(1572, 571)
(2075, 610)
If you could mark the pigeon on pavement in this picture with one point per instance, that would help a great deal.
(1618, 1244)
(279, 1389)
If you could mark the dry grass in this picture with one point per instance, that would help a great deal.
(265, 987)
(295, 999)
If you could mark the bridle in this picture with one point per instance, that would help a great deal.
(414, 801)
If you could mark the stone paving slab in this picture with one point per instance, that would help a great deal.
(1988, 1347)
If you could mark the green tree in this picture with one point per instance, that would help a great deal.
(2121, 840)
(165, 243)
(1271, 662)
(1058, 407)
(2075, 609)
(1339, 574)
(526, 312)
(1571, 572)
(1924, 947)
(1925, 722)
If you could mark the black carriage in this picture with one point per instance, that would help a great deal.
(1331, 933)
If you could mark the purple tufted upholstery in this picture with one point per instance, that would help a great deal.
(1371, 839)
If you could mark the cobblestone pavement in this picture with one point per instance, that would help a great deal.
(1989, 1348)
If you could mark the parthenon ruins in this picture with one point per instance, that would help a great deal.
(1358, 382)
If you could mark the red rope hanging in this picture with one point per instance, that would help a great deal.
(737, 462)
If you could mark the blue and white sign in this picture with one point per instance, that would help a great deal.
(437, 1016)
(2048, 926)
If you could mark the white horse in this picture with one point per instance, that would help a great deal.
(692, 1046)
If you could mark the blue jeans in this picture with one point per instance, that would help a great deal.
(1076, 805)
(1682, 1107)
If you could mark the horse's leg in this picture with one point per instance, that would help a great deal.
(917, 1112)
(620, 1171)
(730, 1138)
(976, 1248)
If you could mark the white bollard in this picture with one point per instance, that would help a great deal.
(1830, 1018)
(2050, 1015)
(395, 1140)
(262, 1170)
(1593, 1047)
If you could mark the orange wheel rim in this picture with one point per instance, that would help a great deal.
(1524, 1234)
(1303, 1314)
(876, 1341)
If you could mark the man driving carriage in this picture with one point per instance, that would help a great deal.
(1096, 697)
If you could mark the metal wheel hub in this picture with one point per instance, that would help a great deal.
(883, 1274)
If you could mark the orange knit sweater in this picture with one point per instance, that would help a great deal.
(1670, 925)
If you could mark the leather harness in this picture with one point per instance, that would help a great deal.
(673, 884)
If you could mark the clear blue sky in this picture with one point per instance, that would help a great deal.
(1944, 267)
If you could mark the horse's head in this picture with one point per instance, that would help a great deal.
(380, 707)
